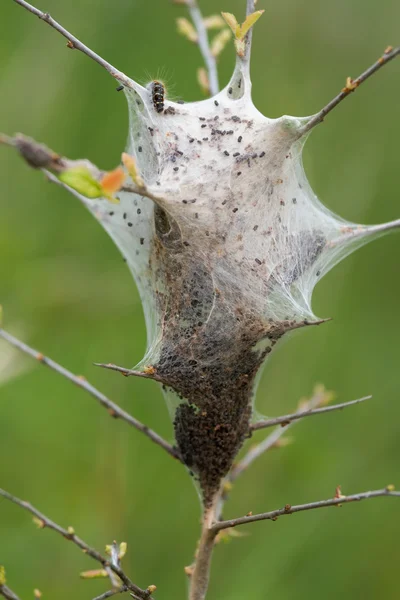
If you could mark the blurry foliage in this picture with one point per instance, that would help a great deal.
(66, 291)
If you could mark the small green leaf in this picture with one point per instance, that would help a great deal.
(249, 22)
(2, 576)
(81, 180)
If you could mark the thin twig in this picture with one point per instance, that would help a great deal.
(286, 419)
(256, 451)
(113, 409)
(319, 396)
(204, 45)
(152, 374)
(7, 593)
(351, 86)
(250, 8)
(289, 510)
(74, 43)
(69, 534)
(113, 592)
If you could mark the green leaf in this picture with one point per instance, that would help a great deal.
(249, 22)
(81, 180)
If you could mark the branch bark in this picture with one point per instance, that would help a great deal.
(351, 86)
(200, 575)
(111, 593)
(70, 535)
(6, 592)
(113, 409)
(289, 510)
(204, 45)
(286, 419)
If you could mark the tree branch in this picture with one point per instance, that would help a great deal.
(351, 86)
(204, 45)
(286, 419)
(110, 593)
(320, 397)
(289, 510)
(74, 43)
(7, 593)
(113, 409)
(150, 374)
(69, 534)
(200, 571)
(38, 156)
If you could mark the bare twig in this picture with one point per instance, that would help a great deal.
(289, 510)
(74, 43)
(351, 86)
(286, 419)
(69, 534)
(204, 46)
(113, 409)
(150, 374)
(256, 451)
(7, 593)
(319, 397)
(110, 593)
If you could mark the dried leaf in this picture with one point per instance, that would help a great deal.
(112, 181)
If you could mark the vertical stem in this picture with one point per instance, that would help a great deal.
(201, 571)
(209, 59)
(250, 8)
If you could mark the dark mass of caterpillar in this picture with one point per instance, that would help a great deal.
(157, 89)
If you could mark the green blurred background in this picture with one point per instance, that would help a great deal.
(66, 291)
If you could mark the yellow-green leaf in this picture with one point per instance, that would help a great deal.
(249, 22)
(123, 547)
(130, 165)
(2, 575)
(186, 29)
(219, 42)
(214, 22)
(230, 20)
(203, 81)
(81, 180)
(95, 574)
